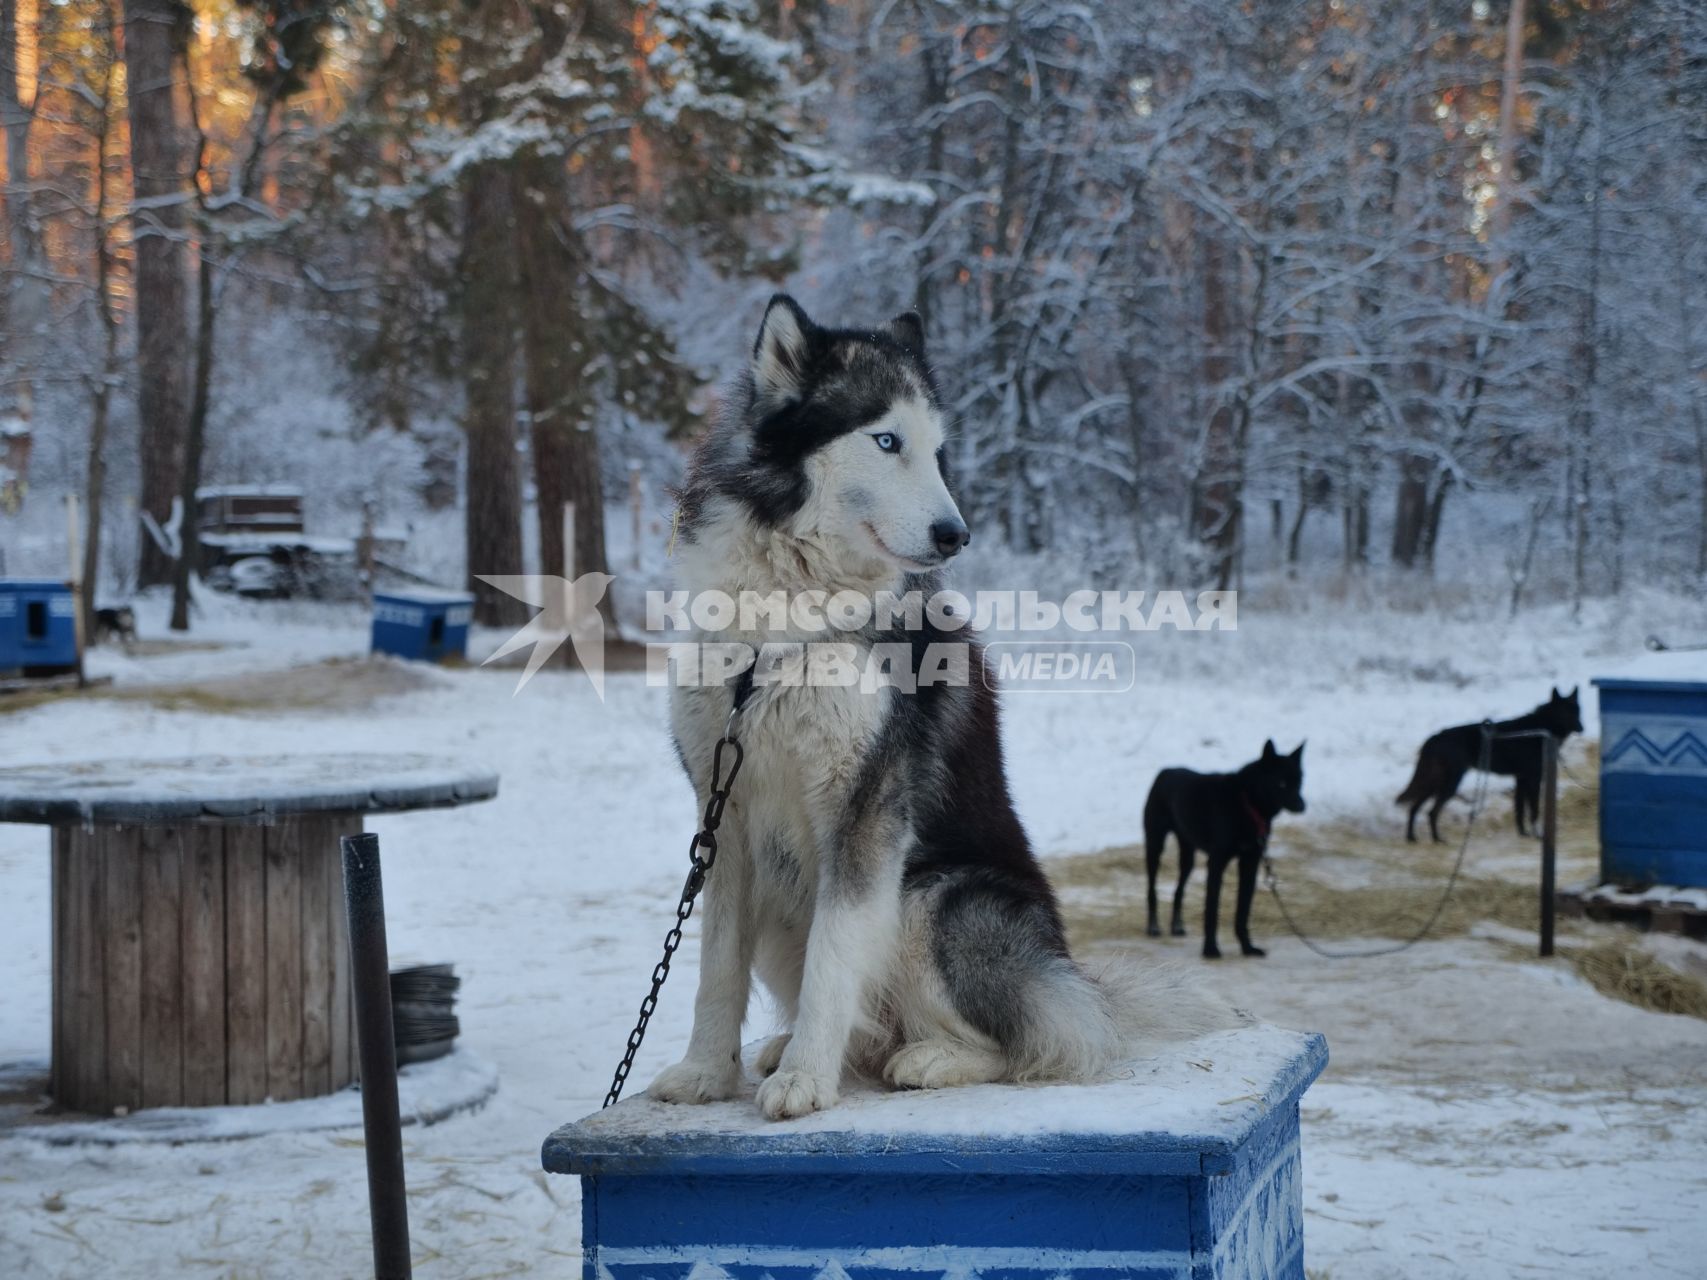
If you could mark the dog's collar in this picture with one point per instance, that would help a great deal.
(1261, 823)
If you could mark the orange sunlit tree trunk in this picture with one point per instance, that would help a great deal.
(154, 32)
(286, 48)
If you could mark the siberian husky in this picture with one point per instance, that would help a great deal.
(871, 869)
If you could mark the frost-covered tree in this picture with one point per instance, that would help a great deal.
(1202, 282)
(618, 147)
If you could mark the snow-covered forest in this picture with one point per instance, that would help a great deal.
(1213, 289)
(1385, 314)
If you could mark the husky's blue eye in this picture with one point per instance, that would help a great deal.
(888, 441)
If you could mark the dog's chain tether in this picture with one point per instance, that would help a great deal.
(1451, 881)
(701, 854)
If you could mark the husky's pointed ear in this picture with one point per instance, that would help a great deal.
(1572, 696)
(1299, 754)
(907, 330)
(1556, 697)
(1268, 751)
(780, 351)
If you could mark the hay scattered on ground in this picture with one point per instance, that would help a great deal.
(1626, 972)
(344, 684)
(1320, 909)
(1342, 880)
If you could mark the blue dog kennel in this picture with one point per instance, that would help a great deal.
(38, 627)
(1653, 773)
(426, 625)
(1187, 1167)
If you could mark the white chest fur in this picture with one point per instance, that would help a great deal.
(810, 725)
(804, 746)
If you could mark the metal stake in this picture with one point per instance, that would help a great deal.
(1549, 835)
(370, 971)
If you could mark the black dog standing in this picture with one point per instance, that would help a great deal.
(1228, 816)
(1450, 754)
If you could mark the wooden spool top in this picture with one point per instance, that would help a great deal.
(1185, 1111)
(219, 788)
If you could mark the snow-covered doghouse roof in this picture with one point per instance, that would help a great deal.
(1664, 667)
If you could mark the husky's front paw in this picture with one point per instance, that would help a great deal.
(770, 1057)
(790, 1093)
(692, 1081)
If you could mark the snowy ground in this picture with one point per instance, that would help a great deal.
(1482, 1116)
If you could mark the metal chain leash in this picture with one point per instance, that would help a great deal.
(701, 854)
(1478, 799)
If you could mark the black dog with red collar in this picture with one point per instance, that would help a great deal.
(1228, 817)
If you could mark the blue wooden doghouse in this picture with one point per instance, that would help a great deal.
(38, 627)
(422, 623)
(1653, 773)
(1187, 1167)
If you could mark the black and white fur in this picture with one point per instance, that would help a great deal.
(116, 624)
(871, 868)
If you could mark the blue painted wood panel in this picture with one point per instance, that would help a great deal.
(38, 626)
(1653, 778)
(1255, 1215)
(668, 1194)
(766, 1220)
(428, 626)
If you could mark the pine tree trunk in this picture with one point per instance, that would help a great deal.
(23, 307)
(101, 392)
(1355, 524)
(493, 517)
(1432, 519)
(934, 95)
(565, 446)
(94, 490)
(1295, 538)
(160, 168)
(1697, 411)
(1511, 85)
(1701, 466)
(16, 118)
(1138, 435)
(195, 437)
(1585, 391)
(1216, 510)
(1412, 204)
(1410, 510)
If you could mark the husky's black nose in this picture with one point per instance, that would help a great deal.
(950, 536)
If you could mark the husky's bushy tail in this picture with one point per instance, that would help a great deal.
(1078, 1023)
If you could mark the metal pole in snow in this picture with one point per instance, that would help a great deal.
(77, 585)
(370, 971)
(1549, 835)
